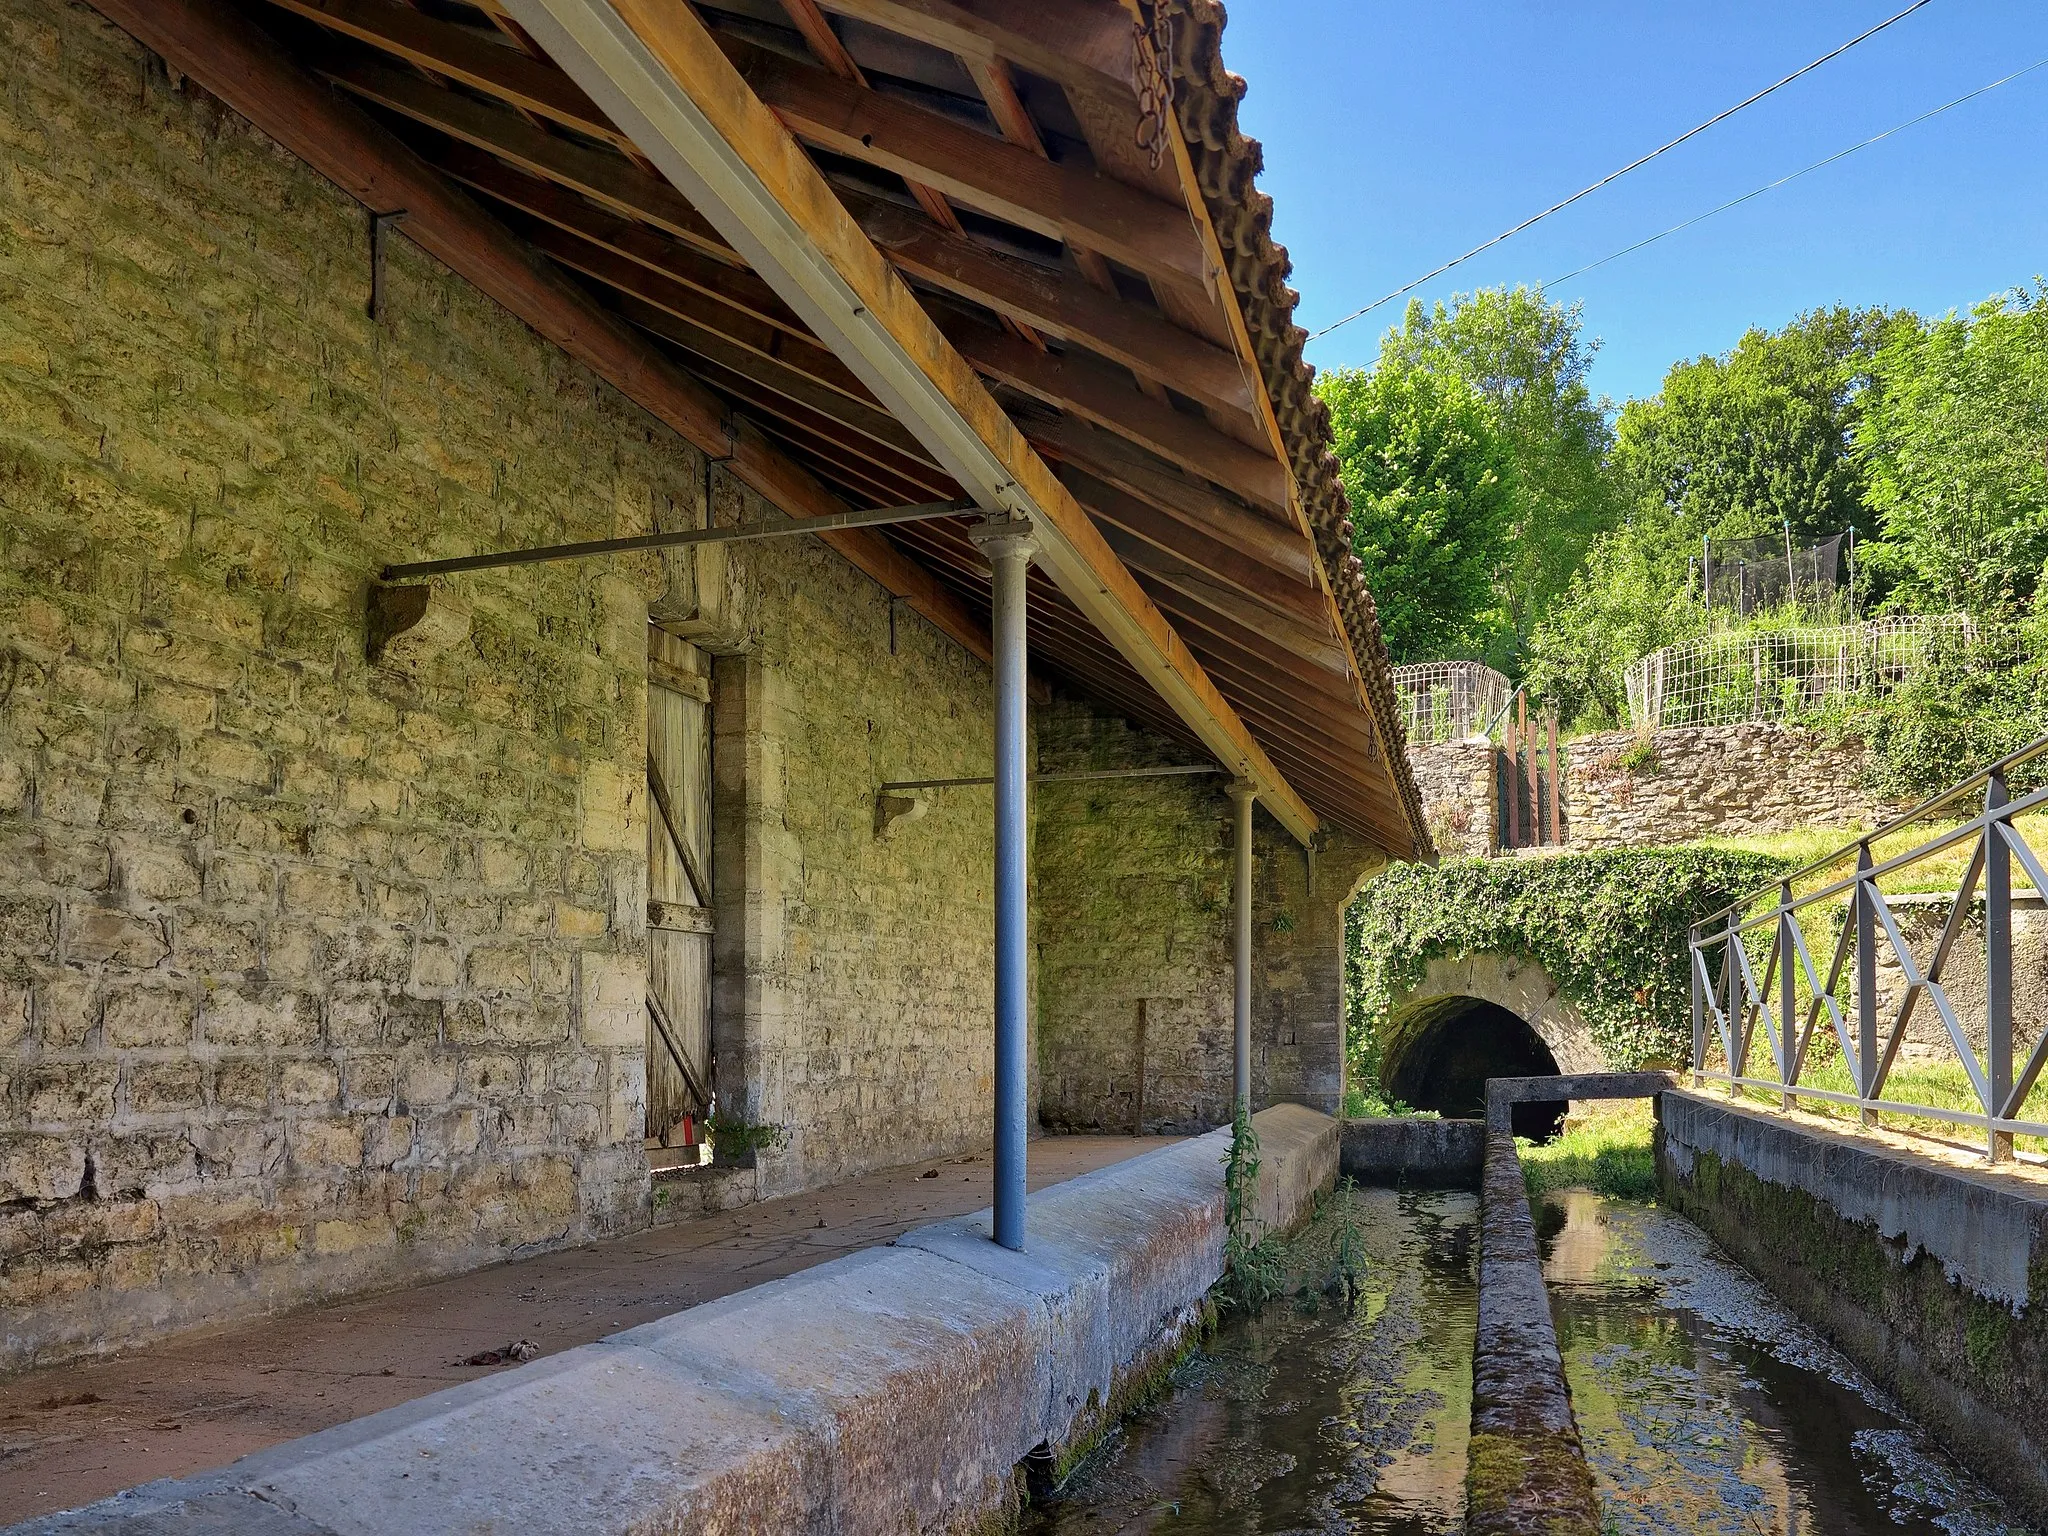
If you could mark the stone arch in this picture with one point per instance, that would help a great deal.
(1482, 1015)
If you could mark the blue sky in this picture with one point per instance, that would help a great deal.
(1399, 134)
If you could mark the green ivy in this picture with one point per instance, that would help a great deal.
(1609, 928)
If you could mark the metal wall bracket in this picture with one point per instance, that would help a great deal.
(379, 223)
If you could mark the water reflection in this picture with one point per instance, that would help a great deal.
(1300, 1420)
(1706, 1407)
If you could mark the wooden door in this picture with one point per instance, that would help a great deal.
(678, 889)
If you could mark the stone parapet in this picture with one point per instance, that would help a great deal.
(892, 1390)
(1415, 1152)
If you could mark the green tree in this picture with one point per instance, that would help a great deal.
(1956, 446)
(1527, 357)
(1630, 598)
(1762, 435)
(1427, 479)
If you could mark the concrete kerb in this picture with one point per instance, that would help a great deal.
(1414, 1152)
(891, 1390)
(1526, 1471)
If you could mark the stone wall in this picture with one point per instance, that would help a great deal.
(1932, 1277)
(318, 975)
(1683, 783)
(1132, 922)
(1460, 786)
(853, 979)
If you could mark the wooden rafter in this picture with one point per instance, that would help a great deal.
(247, 71)
(660, 74)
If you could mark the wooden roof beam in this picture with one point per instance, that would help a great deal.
(1062, 202)
(239, 64)
(658, 72)
(1053, 302)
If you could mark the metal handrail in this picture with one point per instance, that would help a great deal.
(1898, 823)
(1728, 995)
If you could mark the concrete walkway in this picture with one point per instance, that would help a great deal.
(71, 1434)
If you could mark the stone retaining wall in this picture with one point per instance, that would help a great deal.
(894, 1390)
(1683, 783)
(1460, 789)
(1931, 1273)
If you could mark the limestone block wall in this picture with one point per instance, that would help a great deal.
(312, 974)
(1459, 783)
(1710, 781)
(1132, 923)
(853, 973)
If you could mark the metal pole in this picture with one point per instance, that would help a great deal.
(1787, 999)
(1866, 984)
(1998, 967)
(1699, 1007)
(1242, 795)
(771, 528)
(1009, 545)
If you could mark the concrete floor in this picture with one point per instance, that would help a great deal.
(74, 1433)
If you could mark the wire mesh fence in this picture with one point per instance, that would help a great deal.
(1780, 674)
(1449, 700)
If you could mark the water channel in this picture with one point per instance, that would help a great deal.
(1704, 1406)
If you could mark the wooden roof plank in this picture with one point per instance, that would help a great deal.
(242, 66)
(659, 73)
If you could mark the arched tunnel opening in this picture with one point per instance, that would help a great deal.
(1439, 1052)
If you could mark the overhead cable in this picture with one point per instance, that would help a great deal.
(1614, 176)
(1842, 154)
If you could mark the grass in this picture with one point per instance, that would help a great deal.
(1940, 1084)
(1363, 1100)
(1935, 875)
(1607, 1148)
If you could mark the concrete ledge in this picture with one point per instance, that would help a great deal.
(1526, 1471)
(1504, 1092)
(1427, 1154)
(1932, 1276)
(1987, 1230)
(895, 1389)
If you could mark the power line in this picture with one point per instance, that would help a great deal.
(1841, 154)
(1614, 176)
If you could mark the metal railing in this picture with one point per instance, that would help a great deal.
(1729, 998)
(1758, 673)
(1449, 700)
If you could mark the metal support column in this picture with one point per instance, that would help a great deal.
(1009, 546)
(1866, 984)
(1998, 968)
(1243, 794)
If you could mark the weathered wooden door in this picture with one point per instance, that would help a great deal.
(678, 889)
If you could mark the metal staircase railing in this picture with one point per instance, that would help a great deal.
(1734, 1004)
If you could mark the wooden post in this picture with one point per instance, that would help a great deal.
(1556, 781)
(1514, 794)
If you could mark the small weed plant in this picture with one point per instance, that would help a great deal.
(1253, 1268)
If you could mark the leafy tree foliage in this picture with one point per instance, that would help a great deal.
(1527, 358)
(1760, 436)
(1610, 929)
(1427, 479)
(1733, 445)
(1956, 447)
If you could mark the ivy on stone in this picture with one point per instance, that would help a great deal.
(1608, 927)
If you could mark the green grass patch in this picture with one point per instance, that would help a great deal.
(1608, 1148)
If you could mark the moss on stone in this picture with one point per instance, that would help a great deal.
(1529, 1485)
